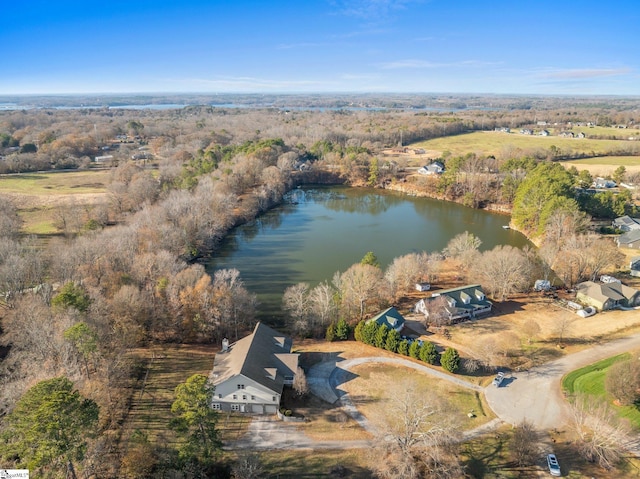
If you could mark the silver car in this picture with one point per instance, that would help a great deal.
(554, 467)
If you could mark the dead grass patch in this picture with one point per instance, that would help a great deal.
(299, 464)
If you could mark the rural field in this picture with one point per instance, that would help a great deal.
(500, 144)
(40, 197)
(605, 165)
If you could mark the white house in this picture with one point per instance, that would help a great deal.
(434, 168)
(250, 374)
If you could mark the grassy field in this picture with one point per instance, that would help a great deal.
(56, 183)
(375, 386)
(40, 196)
(497, 144)
(316, 464)
(591, 380)
(166, 367)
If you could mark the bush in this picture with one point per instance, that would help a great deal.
(393, 340)
(428, 353)
(403, 347)
(357, 332)
(342, 330)
(331, 333)
(450, 360)
(414, 350)
(381, 336)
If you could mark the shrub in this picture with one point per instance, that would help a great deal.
(450, 360)
(414, 350)
(403, 347)
(393, 339)
(342, 330)
(331, 333)
(428, 353)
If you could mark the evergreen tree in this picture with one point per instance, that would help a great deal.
(450, 360)
(371, 259)
(72, 295)
(393, 340)
(342, 330)
(357, 332)
(369, 332)
(429, 353)
(414, 350)
(196, 421)
(381, 336)
(49, 426)
(403, 347)
(331, 333)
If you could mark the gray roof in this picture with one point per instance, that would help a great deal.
(259, 356)
(602, 292)
(629, 237)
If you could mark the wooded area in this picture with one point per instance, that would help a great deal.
(125, 273)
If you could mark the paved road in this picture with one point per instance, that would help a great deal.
(536, 394)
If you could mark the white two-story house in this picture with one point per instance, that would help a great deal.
(249, 375)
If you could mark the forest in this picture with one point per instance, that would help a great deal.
(126, 273)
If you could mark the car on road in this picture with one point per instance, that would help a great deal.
(586, 312)
(498, 379)
(554, 467)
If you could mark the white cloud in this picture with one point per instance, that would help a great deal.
(587, 73)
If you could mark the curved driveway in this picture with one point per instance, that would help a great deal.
(536, 394)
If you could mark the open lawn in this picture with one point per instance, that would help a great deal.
(165, 368)
(40, 196)
(316, 464)
(605, 165)
(591, 380)
(496, 143)
(374, 387)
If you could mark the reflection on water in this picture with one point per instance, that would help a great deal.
(318, 231)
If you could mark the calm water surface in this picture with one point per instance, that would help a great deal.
(319, 231)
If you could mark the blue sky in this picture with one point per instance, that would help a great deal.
(278, 46)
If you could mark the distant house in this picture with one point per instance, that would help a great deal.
(526, 131)
(391, 318)
(503, 129)
(626, 223)
(581, 135)
(544, 133)
(542, 285)
(566, 134)
(604, 183)
(423, 286)
(607, 296)
(465, 302)
(634, 266)
(433, 168)
(250, 374)
(630, 239)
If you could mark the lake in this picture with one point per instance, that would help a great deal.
(320, 230)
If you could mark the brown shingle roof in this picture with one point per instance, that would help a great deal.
(264, 356)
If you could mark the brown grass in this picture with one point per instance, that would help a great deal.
(316, 464)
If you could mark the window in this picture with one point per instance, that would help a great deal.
(273, 398)
(219, 396)
(235, 407)
(244, 397)
(216, 406)
(240, 386)
(235, 396)
(253, 398)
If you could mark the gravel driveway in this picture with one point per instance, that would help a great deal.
(536, 394)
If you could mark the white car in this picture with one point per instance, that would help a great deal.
(498, 379)
(586, 312)
(554, 467)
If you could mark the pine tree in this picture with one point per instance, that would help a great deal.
(450, 360)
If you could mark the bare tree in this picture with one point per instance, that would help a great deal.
(463, 247)
(524, 444)
(436, 313)
(300, 385)
(405, 271)
(296, 302)
(503, 270)
(248, 466)
(361, 285)
(530, 328)
(420, 439)
(623, 381)
(602, 436)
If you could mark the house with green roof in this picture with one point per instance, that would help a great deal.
(391, 318)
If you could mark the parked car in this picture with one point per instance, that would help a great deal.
(498, 379)
(586, 312)
(554, 467)
(605, 278)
